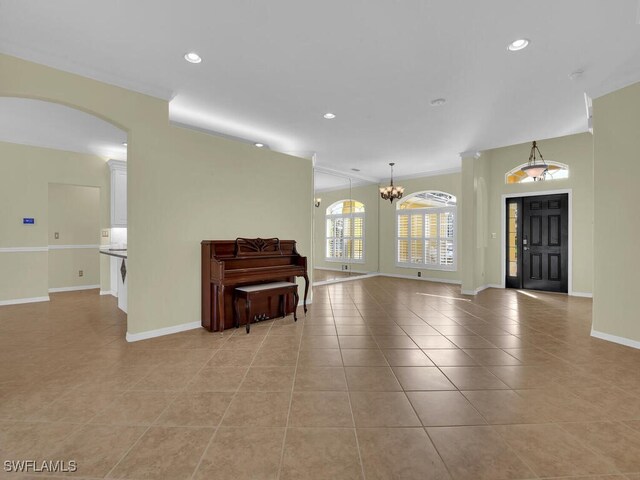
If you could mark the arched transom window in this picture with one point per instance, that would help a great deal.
(345, 231)
(426, 231)
(555, 171)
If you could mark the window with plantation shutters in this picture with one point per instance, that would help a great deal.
(345, 231)
(426, 231)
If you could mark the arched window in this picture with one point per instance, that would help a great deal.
(556, 171)
(345, 231)
(426, 231)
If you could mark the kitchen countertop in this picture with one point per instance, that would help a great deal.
(114, 252)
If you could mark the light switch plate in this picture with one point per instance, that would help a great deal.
(105, 233)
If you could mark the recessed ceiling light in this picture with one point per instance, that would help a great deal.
(518, 44)
(355, 169)
(259, 145)
(124, 144)
(329, 116)
(192, 57)
(438, 101)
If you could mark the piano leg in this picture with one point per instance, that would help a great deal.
(221, 308)
(215, 315)
(306, 291)
(283, 308)
(296, 299)
(236, 311)
(247, 308)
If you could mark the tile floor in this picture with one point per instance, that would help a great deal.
(324, 275)
(383, 379)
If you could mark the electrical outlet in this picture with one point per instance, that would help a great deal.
(419, 274)
(81, 273)
(56, 236)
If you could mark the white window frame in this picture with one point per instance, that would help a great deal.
(422, 211)
(344, 216)
(563, 166)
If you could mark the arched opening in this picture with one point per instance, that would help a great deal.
(426, 231)
(56, 158)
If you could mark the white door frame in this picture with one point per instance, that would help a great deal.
(503, 231)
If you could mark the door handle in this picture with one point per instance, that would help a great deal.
(525, 248)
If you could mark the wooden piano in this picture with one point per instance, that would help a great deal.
(246, 261)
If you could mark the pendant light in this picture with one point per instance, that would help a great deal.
(391, 192)
(536, 170)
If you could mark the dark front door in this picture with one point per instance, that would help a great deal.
(541, 243)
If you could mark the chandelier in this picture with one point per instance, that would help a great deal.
(391, 192)
(536, 170)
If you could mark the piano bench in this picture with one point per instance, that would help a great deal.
(253, 292)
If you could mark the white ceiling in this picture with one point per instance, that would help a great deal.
(272, 68)
(50, 125)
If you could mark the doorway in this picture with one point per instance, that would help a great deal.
(537, 242)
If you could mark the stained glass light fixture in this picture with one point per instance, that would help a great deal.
(391, 192)
(536, 169)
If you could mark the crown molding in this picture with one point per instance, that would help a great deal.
(340, 173)
(434, 173)
(65, 64)
(471, 154)
(609, 86)
(117, 165)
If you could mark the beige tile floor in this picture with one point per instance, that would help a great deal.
(383, 379)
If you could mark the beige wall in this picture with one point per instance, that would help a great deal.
(473, 221)
(74, 213)
(367, 194)
(24, 275)
(577, 152)
(617, 228)
(449, 183)
(24, 186)
(183, 186)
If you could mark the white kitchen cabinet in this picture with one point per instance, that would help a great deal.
(113, 267)
(118, 265)
(118, 193)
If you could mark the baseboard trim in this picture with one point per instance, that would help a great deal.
(424, 279)
(342, 280)
(73, 289)
(136, 337)
(339, 270)
(627, 342)
(18, 301)
(581, 294)
(108, 292)
(495, 285)
(476, 291)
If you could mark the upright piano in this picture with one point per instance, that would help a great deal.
(227, 264)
